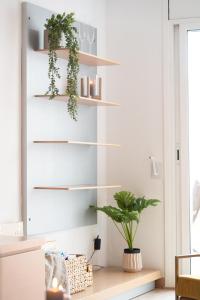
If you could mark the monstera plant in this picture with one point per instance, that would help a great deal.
(126, 216)
(57, 25)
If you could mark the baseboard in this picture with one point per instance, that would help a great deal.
(136, 292)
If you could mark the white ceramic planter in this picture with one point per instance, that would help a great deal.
(132, 260)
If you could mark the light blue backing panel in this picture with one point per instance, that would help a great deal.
(53, 164)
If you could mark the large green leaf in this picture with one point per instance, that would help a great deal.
(125, 200)
(141, 203)
(118, 215)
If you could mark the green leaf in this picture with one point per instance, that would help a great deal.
(141, 203)
(125, 200)
(117, 214)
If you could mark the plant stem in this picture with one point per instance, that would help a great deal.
(136, 227)
(126, 232)
(129, 236)
(120, 231)
(131, 231)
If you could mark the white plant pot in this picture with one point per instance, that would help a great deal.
(132, 260)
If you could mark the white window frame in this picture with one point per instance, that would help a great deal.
(176, 174)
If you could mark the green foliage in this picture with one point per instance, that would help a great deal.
(118, 215)
(56, 25)
(127, 200)
(141, 203)
(127, 214)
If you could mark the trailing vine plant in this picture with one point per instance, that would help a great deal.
(56, 25)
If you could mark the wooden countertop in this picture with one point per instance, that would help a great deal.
(111, 281)
(13, 246)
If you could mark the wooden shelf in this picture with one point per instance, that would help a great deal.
(84, 58)
(77, 187)
(81, 100)
(75, 143)
(111, 282)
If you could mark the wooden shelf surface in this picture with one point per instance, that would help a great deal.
(75, 143)
(111, 282)
(84, 58)
(12, 246)
(81, 100)
(77, 187)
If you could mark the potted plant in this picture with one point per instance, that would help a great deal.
(56, 26)
(126, 218)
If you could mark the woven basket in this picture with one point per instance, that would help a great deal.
(79, 273)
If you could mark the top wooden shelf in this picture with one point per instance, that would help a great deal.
(84, 58)
(81, 100)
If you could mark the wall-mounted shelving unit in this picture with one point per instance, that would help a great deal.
(47, 169)
(77, 187)
(81, 100)
(84, 58)
(76, 143)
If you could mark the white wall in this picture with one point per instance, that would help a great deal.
(135, 40)
(10, 111)
(92, 12)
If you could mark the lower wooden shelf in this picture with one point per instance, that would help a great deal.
(76, 187)
(110, 282)
(75, 143)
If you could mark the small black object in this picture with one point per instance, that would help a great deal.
(97, 243)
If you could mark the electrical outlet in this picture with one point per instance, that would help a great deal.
(11, 229)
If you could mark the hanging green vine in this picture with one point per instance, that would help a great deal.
(56, 25)
(73, 65)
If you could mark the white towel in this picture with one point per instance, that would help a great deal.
(55, 267)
